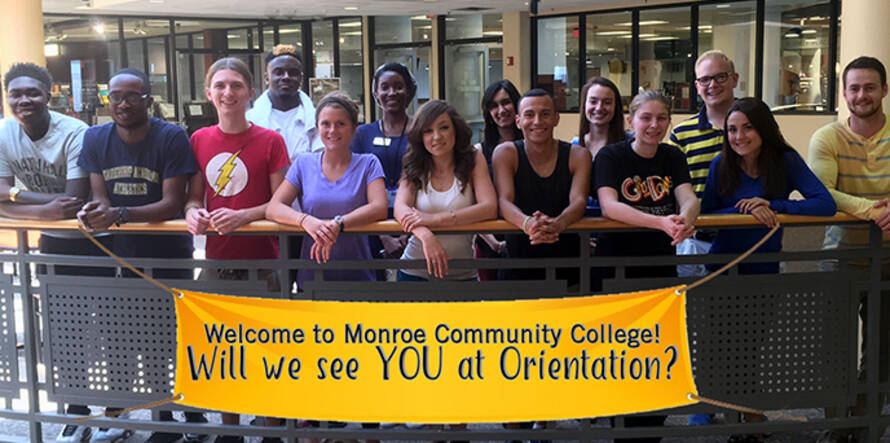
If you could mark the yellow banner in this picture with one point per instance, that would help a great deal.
(452, 362)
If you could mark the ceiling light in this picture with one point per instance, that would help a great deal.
(613, 33)
(351, 33)
(351, 8)
(493, 33)
(51, 50)
(420, 17)
(641, 36)
(809, 31)
(99, 28)
(792, 35)
(661, 38)
(723, 6)
(645, 23)
(349, 24)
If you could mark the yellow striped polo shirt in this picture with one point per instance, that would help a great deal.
(701, 142)
(856, 171)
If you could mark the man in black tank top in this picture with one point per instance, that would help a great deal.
(542, 186)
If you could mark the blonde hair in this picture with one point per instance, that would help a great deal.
(716, 54)
(235, 64)
(647, 96)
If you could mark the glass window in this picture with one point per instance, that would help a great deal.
(323, 48)
(471, 68)
(418, 62)
(666, 58)
(610, 50)
(402, 29)
(291, 35)
(268, 38)
(558, 60)
(145, 28)
(237, 38)
(351, 63)
(730, 27)
(473, 26)
(94, 43)
(795, 59)
(157, 69)
(135, 54)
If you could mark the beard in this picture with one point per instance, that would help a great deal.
(865, 112)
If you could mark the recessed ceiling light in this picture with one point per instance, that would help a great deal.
(723, 6)
(351, 8)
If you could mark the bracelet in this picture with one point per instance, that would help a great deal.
(453, 218)
(303, 217)
(14, 193)
(525, 222)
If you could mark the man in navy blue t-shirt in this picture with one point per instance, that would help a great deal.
(139, 168)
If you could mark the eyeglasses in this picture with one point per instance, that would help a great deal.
(132, 98)
(719, 78)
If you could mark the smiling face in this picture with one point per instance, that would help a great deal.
(650, 122)
(599, 106)
(743, 137)
(438, 138)
(863, 92)
(392, 92)
(716, 94)
(125, 114)
(229, 93)
(27, 98)
(537, 118)
(335, 128)
(502, 110)
(284, 74)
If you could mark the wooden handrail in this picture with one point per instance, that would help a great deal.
(589, 223)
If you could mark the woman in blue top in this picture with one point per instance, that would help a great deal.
(393, 87)
(755, 174)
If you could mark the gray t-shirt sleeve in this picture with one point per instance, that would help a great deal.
(72, 151)
(5, 149)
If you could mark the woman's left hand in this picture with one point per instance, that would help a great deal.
(747, 205)
(436, 258)
(765, 215)
(415, 219)
(320, 252)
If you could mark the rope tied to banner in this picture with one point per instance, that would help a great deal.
(691, 396)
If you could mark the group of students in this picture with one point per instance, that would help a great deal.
(281, 158)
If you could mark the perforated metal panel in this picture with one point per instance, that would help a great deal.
(112, 341)
(8, 354)
(773, 341)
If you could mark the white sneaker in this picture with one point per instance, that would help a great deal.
(74, 434)
(111, 434)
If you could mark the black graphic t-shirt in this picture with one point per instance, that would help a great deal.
(647, 185)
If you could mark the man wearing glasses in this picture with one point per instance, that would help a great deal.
(701, 139)
(138, 168)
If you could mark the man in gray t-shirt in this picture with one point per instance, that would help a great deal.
(39, 149)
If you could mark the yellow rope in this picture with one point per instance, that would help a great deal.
(125, 264)
(750, 251)
(153, 404)
(740, 408)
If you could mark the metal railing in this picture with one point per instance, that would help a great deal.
(786, 341)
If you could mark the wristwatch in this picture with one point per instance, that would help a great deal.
(339, 220)
(123, 215)
(14, 192)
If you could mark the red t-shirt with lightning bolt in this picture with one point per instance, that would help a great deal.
(236, 170)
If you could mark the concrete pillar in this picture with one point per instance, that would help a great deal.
(517, 47)
(367, 69)
(434, 61)
(21, 37)
(864, 31)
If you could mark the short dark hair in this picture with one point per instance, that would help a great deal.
(146, 83)
(537, 92)
(283, 50)
(403, 72)
(866, 62)
(28, 69)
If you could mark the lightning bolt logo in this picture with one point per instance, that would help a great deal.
(225, 172)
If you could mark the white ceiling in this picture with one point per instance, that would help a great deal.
(285, 9)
